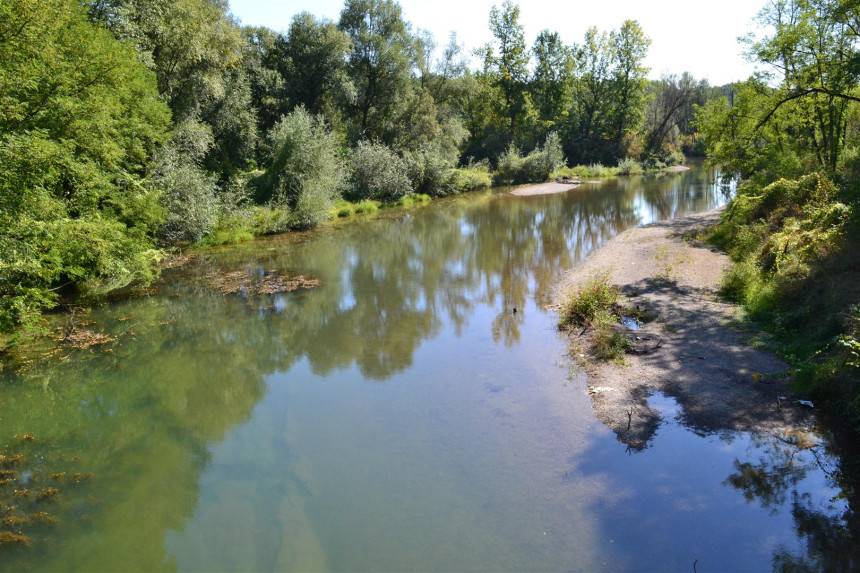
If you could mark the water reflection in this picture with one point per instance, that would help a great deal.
(213, 415)
(827, 525)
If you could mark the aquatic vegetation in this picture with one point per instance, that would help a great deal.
(7, 538)
(47, 494)
(271, 283)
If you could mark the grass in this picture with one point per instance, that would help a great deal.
(597, 307)
(796, 273)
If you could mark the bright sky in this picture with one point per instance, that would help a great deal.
(686, 35)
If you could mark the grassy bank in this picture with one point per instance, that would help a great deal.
(796, 272)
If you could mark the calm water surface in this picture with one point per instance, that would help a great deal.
(400, 416)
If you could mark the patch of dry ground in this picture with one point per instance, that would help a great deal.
(543, 189)
(720, 383)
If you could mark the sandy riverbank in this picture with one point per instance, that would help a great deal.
(719, 382)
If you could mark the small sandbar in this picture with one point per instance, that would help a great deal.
(677, 168)
(543, 189)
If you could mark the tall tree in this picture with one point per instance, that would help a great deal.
(379, 63)
(79, 118)
(511, 63)
(629, 47)
(190, 44)
(588, 127)
(552, 78)
(312, 61)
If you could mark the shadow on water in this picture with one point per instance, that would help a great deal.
(182, 419)
(786, 499)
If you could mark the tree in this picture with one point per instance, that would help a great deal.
(312, 62)
(553, 74)
(79, 118)
(629, 47)
(379, 64)
(190, 44)
(672, 96)
(588, 126)
(511, 64)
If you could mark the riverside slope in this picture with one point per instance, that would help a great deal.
(720, 383)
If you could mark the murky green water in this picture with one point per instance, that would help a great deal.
(400, 416)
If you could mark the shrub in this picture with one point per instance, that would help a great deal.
(628, 166)
(188, 195)
(366, 207)
(593, 301)
(305, 170)
(675, 157)
(510, 167)
(471, 177)
(376, 172)
(430, 172)
(536, 167)
(608, 344)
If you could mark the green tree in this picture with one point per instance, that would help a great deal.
(551, 83)
(188, 43)
(629, 46)
(511, 63)
(312, 61)
(79, 118)
(379, 64)
(588, 126)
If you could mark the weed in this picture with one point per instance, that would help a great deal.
(582, 307)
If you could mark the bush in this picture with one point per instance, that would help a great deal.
(676, 157)
(591, 302)
(536, 167)
(376, 172)
(471, 177)
(366, 207)
(305, 171)
(188, 195)
(608, 344)
(430, 172)
(630, 166)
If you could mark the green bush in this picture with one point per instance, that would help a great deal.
(629, 166)
(430, 172)
(376, 172)
(536, 167)
(608, 344)
(592, 302)
(471, 177)
(304, 174)
(189, 196)
(675, 157)
(366, 207)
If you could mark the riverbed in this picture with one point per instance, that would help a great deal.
(408, 406)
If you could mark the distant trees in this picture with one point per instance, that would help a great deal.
(127, 126)
(802, 123)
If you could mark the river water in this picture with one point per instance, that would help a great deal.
(399, 416)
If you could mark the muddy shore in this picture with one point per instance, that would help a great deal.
(720, 383)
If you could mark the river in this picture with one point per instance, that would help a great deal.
(413, 411)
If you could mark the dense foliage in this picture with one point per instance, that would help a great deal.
(792, 135)
(79, 119)
(132, 126)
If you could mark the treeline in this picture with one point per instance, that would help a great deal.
(792, 134)
(128, 126)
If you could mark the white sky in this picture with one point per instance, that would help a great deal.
(686, 35)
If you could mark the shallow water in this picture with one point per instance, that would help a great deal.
(400, 416)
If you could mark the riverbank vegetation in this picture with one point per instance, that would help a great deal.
(131, 127)
(792, 135)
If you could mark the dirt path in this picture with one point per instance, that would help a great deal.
(720, 383)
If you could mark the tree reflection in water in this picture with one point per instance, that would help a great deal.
(828, 527)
